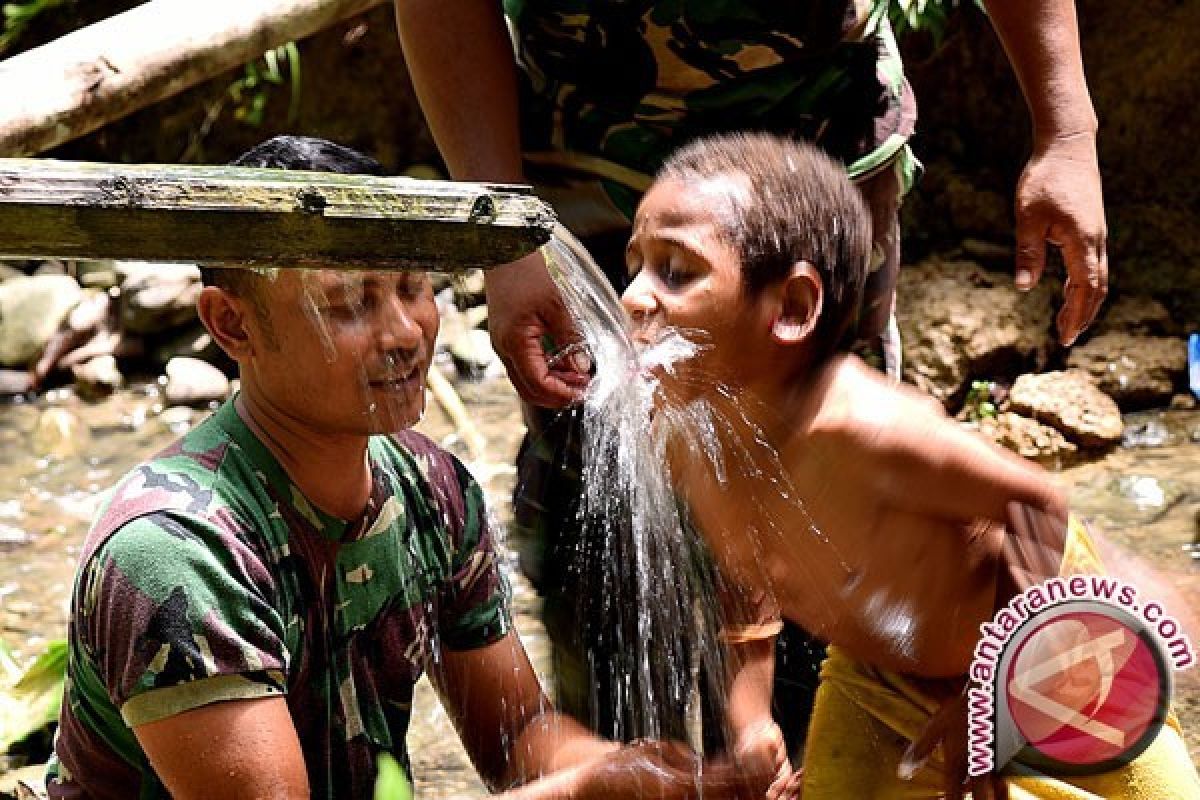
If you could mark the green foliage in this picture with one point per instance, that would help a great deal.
(929, 16)
(251, 92)
(29, 701)
(18, 16)
(390, 781)
(979, 404)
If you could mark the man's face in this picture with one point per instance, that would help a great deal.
(688, 276)
(347, 352)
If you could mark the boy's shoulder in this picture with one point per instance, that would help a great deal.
(853, 401)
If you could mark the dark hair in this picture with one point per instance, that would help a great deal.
(798, 206)
(287, 152)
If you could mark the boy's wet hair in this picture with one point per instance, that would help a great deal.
(797, 205)
(293, 153)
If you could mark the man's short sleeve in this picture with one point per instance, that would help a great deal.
(474, 603)
(176, 613)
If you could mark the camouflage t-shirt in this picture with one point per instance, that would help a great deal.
(208, 576)
(612, 87)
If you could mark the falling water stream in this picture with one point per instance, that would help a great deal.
(656, 594)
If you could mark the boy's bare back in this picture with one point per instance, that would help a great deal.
(884, 535)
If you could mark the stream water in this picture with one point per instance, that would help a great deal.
(58, 453)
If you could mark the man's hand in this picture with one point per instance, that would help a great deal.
(524, 308)
(657, 769)
(1059, 201)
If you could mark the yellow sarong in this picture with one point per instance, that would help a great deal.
(865, 718)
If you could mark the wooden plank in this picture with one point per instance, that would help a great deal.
(92, 76)
(247, 217)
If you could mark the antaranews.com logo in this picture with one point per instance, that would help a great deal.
(1072, 677)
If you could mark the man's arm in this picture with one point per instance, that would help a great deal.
(516, 739)
(462, 66)
(233, 749)
(1059, 196)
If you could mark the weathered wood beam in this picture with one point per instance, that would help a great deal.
(100, 73)
(248, 217)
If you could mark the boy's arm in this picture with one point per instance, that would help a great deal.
(925, 463)
(236, 748)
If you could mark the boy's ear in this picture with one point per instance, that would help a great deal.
(224, 316)
(800, 304)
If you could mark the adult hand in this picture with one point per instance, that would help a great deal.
(658, 769)
(524, 308)
(1059, 201)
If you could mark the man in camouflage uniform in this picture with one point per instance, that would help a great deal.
(608, 87)
(255, 603)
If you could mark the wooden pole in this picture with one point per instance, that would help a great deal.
(100, 73)
(236, 216)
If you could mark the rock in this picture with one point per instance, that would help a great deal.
(1136, 314)
(994, 255)
(1182, 402)
(1070, 402)
(958, 321)
(51, 267)
(8, 272)
(193, 342)
(473, 354)
(424, 172)
(469, 289)
(191, 381)
(97, 274)
(96, 378)
(156, 297)
(974, 210)
(31, 310)
(59, 434)
(1136, 371)
(15, 381)
(1029, 438)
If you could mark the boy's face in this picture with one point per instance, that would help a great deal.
(347, 352)
(688, 276)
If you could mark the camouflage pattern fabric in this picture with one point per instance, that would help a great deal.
(613, 86)
(208, 576)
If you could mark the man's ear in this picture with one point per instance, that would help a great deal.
(224, 316)
(800, 304)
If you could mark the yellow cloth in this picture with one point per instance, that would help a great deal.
(865, 719)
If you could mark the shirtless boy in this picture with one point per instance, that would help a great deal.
(888, 530)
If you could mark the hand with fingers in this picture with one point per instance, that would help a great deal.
(947, 731)
(760, 754)
(524, 309)
(1059, 202)
(659, 769)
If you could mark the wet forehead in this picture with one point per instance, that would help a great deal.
(692, 205)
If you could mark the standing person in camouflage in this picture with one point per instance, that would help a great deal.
(607, 88)
(255, 603)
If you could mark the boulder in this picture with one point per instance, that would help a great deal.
(157, 297)
(1070, 402)
(192, 341)
(1029, 438)
(31, 310)
(958, 321)
(473, 354)
(97, 274)
(191, 381)
(1138, 314)
(97, 377)
(1136, 371)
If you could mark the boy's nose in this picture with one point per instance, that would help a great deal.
(638, 298)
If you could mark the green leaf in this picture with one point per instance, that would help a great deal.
(33, 701)
(390, 780)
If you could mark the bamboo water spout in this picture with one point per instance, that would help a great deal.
(258, 217)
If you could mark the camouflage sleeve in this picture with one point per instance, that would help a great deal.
(176, 613)
(474, 601)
